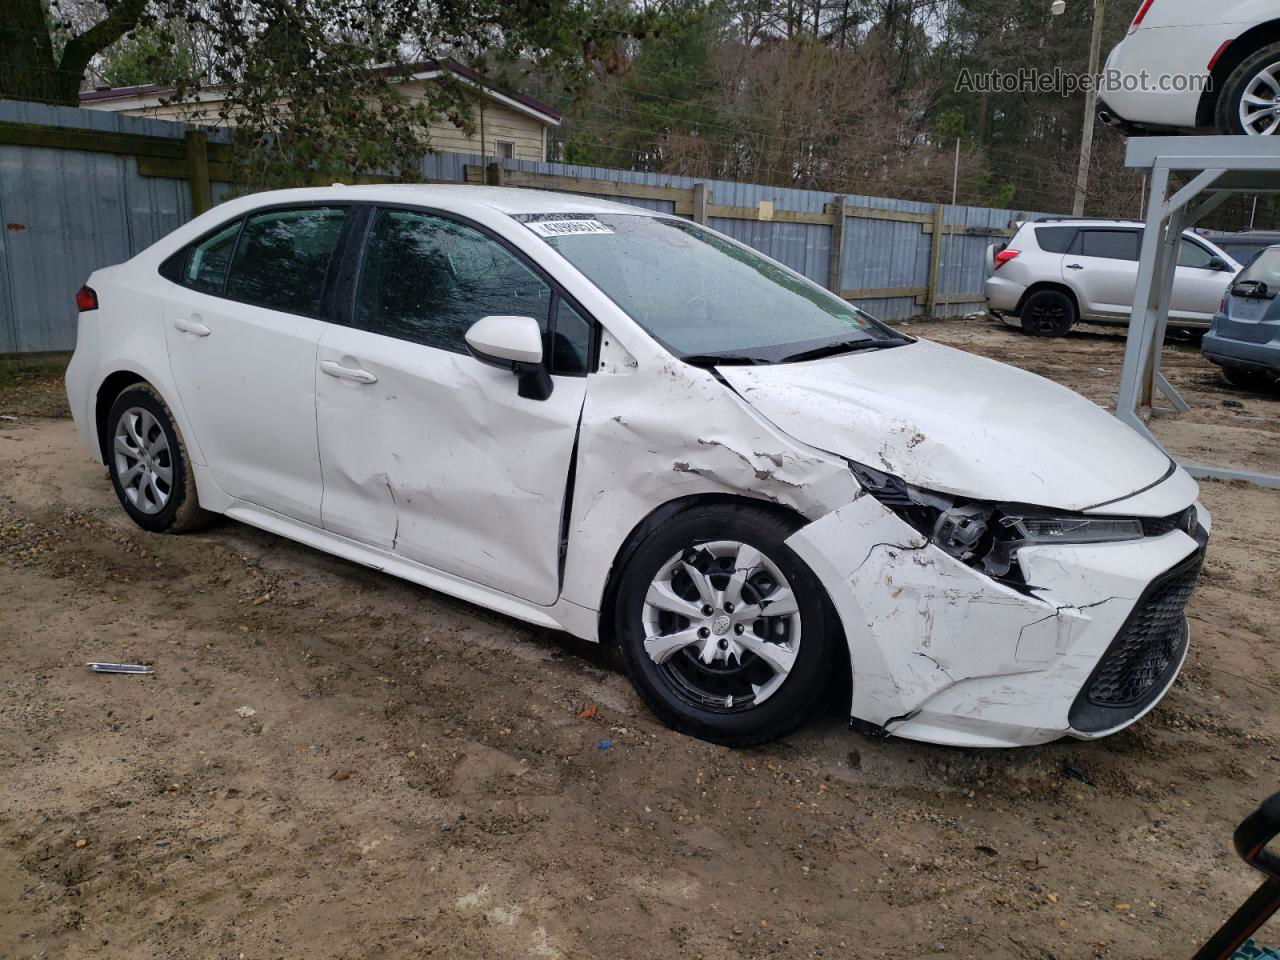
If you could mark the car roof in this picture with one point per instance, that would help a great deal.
(1086, 222)
(508, 200)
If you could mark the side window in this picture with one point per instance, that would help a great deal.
(428, 279)
(207, 261)
(1111, 244)
(283, 257)
(571, 349)
(1055, 239)
(1193, 255)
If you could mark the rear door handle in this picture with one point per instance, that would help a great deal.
(194, 327)
(1074, 266)
(334, 369)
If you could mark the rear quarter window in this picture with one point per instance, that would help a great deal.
(1055, 239)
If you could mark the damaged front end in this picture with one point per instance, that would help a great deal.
(978, 623)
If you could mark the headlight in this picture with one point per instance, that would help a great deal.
(986, 535)
(1073, 529)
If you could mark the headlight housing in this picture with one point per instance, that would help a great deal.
(987, 535)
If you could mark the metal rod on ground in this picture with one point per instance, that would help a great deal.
(1090, 106)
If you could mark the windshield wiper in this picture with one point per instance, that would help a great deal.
(847, 346)
(720, 360)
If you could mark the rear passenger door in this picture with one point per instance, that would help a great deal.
(1102, 266)
(426, 451)
(242, 324)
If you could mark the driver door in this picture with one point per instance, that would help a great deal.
(427, 452)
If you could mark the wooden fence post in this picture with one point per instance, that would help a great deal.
(835, 270)
(493, 174)
(197, 145)
(700, 203)
(935, 259)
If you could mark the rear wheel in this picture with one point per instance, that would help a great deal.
(1250, 378)
(725, 632)
(1250, 101)
(1048, 313)
(148, 462)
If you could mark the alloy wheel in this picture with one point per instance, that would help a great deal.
(723, 624)
(1260, 103)
(143, 460)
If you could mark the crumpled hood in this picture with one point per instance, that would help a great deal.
(956, 423)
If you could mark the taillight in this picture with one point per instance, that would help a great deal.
(86, 299)
(1004, 256)
(1141, 15)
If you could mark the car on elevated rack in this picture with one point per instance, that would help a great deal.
(1056, 272)
(1189, 64)
(619, 423)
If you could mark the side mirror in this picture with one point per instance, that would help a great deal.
(1217, 263)
(515, 344)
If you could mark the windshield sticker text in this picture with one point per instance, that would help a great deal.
(567, 228)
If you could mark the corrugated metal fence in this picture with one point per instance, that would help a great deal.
(71, 202)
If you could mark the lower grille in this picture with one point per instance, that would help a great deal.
(1140, 661)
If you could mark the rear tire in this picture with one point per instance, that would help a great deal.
(149, 466)
(723, 669)
(1248, 378)
(1048, 313)
(1245, 80)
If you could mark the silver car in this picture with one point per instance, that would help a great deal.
(1057, 272)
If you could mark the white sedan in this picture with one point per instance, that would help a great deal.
(1189, 63)
(618, 423)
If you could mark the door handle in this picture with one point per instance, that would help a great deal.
(194, 327)
(1074, 266)
(334, 369)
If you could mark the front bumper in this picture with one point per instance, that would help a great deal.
(944, 654)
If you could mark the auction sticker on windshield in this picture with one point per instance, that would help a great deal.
(568, 228)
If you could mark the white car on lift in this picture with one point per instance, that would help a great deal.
(616, 422)
(1191, 63)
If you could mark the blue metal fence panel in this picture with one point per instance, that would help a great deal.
(67, 212)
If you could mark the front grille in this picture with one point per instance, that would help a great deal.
(1150, 643)
(1185, 520)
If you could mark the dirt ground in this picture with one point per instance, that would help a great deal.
(414, 776)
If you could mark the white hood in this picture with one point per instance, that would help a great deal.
(956, 423)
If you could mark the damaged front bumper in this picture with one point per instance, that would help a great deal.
(943, 653)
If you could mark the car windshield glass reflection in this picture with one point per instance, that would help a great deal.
(704, 297)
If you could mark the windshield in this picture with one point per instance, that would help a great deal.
(704, 297)
(1264, 268)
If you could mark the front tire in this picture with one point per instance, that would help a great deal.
(1250, 101)
(1048, 313)
(148, 462)
(724, 630)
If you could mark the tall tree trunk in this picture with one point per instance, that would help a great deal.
(29, 69)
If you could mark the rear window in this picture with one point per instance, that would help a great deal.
(282, 258)
(1265, 268)
(1055, 239)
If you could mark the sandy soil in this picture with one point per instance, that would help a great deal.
(416, 777)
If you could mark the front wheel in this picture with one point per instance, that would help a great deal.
(725, 631)
(1250, 101)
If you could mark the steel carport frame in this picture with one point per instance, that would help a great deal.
(1217, 168)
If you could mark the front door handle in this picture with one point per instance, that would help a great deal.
(334, 369)
(194, 327)
(1074, 266)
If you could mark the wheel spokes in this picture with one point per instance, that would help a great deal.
(663, 648)
(779, 658)
(745, 563)
(701, 582)
(663, 597)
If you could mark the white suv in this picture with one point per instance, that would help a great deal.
(1188, 63)
(1055, 272)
